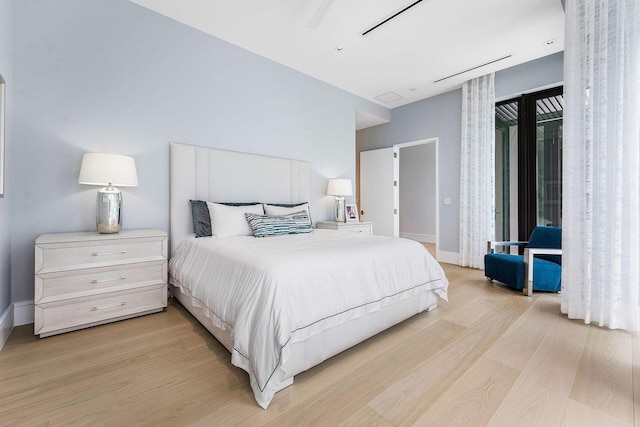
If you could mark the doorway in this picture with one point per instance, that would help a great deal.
(419, 191)
(399, 190)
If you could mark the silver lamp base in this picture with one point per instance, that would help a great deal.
(340, 212)
(109, 210)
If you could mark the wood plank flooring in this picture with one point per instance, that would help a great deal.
(489, 356)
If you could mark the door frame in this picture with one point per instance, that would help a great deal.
(432, 140)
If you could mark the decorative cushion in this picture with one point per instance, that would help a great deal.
(285, 209)
(201, 219)
(227, 221)
(547, 237)
(278, 225)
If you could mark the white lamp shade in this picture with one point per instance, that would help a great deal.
(339, 187)
(103, 169)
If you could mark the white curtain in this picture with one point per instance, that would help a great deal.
(477, 170)
(601, 170)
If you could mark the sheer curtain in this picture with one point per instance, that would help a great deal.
(601, 178)
(477, 170)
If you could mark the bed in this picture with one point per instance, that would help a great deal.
(284, 304)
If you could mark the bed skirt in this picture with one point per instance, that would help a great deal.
(320, 347)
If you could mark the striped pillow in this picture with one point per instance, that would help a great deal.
(279, 225)
(285, 209)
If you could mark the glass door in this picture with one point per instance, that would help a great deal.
(528, 163)
(549, 160)
(540, 182)
(506, 180)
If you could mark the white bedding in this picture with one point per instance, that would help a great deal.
(272, 292)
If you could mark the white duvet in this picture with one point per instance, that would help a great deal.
(275, 291)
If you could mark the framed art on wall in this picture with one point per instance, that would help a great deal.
(352, 212)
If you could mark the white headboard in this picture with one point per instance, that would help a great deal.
(200, 173)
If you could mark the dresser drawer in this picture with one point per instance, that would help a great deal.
(65, 256)
(78, 283)
(366, 229)
(351, 227)
(82, 312)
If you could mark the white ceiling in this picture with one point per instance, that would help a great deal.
(431, 40)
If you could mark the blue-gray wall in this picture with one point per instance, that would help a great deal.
(6, 70)
(418, 191)
(440, 116)
(534, 75)
(111, 76)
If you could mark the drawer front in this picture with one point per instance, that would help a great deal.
(87, 282)
(366, 229)
(83, 311)
(60, 256)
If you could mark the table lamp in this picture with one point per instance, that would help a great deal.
(339, 188)
(108, 170)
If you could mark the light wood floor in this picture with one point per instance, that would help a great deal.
(489, 356)
(431, 247)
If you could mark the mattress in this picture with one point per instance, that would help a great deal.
(271, 293)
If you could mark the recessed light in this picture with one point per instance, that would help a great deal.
(339, 48)
(412, 89)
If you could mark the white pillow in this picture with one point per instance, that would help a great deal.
(227, 221)
(280, 210)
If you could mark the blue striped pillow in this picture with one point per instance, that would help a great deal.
(279, 225)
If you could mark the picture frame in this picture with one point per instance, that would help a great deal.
(351, 212)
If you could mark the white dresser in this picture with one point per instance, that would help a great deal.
(354, 227)
(86, 279)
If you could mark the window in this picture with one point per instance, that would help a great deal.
(528, 163)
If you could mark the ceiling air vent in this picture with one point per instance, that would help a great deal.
(389, 18)
(389, 97)
(472, 68)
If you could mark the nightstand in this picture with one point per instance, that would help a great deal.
(87, 279)
(354, 227)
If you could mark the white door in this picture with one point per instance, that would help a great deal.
(379, 195)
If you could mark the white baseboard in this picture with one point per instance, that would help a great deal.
(424, 238)
(22, 313)
(6, 325)
(449, 257)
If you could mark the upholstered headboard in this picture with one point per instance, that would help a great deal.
(200, 173)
